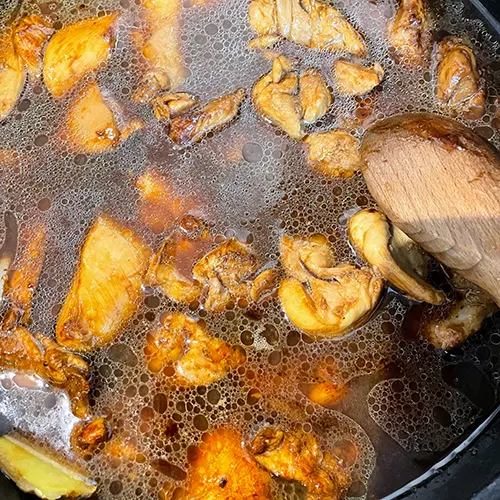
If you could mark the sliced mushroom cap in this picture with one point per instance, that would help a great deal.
(392, 254)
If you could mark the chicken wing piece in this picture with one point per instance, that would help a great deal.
(409, 32)
(196, 356)
(192, 127)
(295, 455)
(171, 105)
(356, 79)
(22, 284)
(275, 97)
(315, 98)
(223, 470)
(458, 85)
(334, 153)
(106, 287)
(77, 50)
(226, 271)
(23, 352)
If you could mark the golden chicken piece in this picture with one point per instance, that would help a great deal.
(192, 127)
(356, 79)
(23, 281)
(35, 354)
(312, 23)
(223, 470)
(264, 285)
(392, 255)
(92, 126)
(315, 98)
(106, 287)
(295, 455)
(75, 51)
(458, 85)
(275, 98)
(87, 435)
(327, 393)
(334, 153)
(226, 271)
(171, 105)
(322, 299)
(409, 32)
(196, 356)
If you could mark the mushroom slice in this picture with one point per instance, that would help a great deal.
(197, 357)
(193, 126)
(275, 98)
(458, 85)
(392, 254)
(171, 105)
(356, 79)
(106, 287)
(334, 153)
(295, 455)
(409, 32)
(314, 95)
(91, 124)
(75, 51)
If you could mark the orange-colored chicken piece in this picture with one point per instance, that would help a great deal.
(197, 357)
(106, 287)
(223, 470)
(87, 435)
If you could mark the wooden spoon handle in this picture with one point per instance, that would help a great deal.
(440, 183)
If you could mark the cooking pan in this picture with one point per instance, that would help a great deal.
(464, 464)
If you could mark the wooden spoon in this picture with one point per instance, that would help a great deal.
(439, 182)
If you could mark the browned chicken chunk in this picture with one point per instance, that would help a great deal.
(106, 287)
(356, 79)
(193, 126)
(171, 105)
(75, 51)
(35, 354)
(409, 32)
(315, 98)
(297, 456)
(87, 435)
(458, 85)
(334, 153)
(196, 357)
(223, 470)
(311, 23)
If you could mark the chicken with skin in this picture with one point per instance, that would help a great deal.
(409, 33)
(106, 288)
(458, 85)
(315, 98)
(295, 455)
(196, 357)
(334, 153)
(321, 298)
(356, 79)
(87, 435)
(392, 255)
(312, 23)
(170, 105)
(77, 50)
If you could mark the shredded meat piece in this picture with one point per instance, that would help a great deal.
(356, 79)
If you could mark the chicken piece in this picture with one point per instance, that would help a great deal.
(392, 255)
(275, 98)
(171, 105)
(106, 287)
(311, 23)
(356, 79)
(121, 448)
(264, 285)
(197, 357)
(23, 281)
(458, 85)
(35, 354)
(315, 98)
(192, 127)
(92, 126)
(75, 51)
(153, 82)
(222, 470)
(327, 393)
(226, 271)
(409, 32)
(87, 435)
(334, 153)
(295, 455)
(29, 36)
